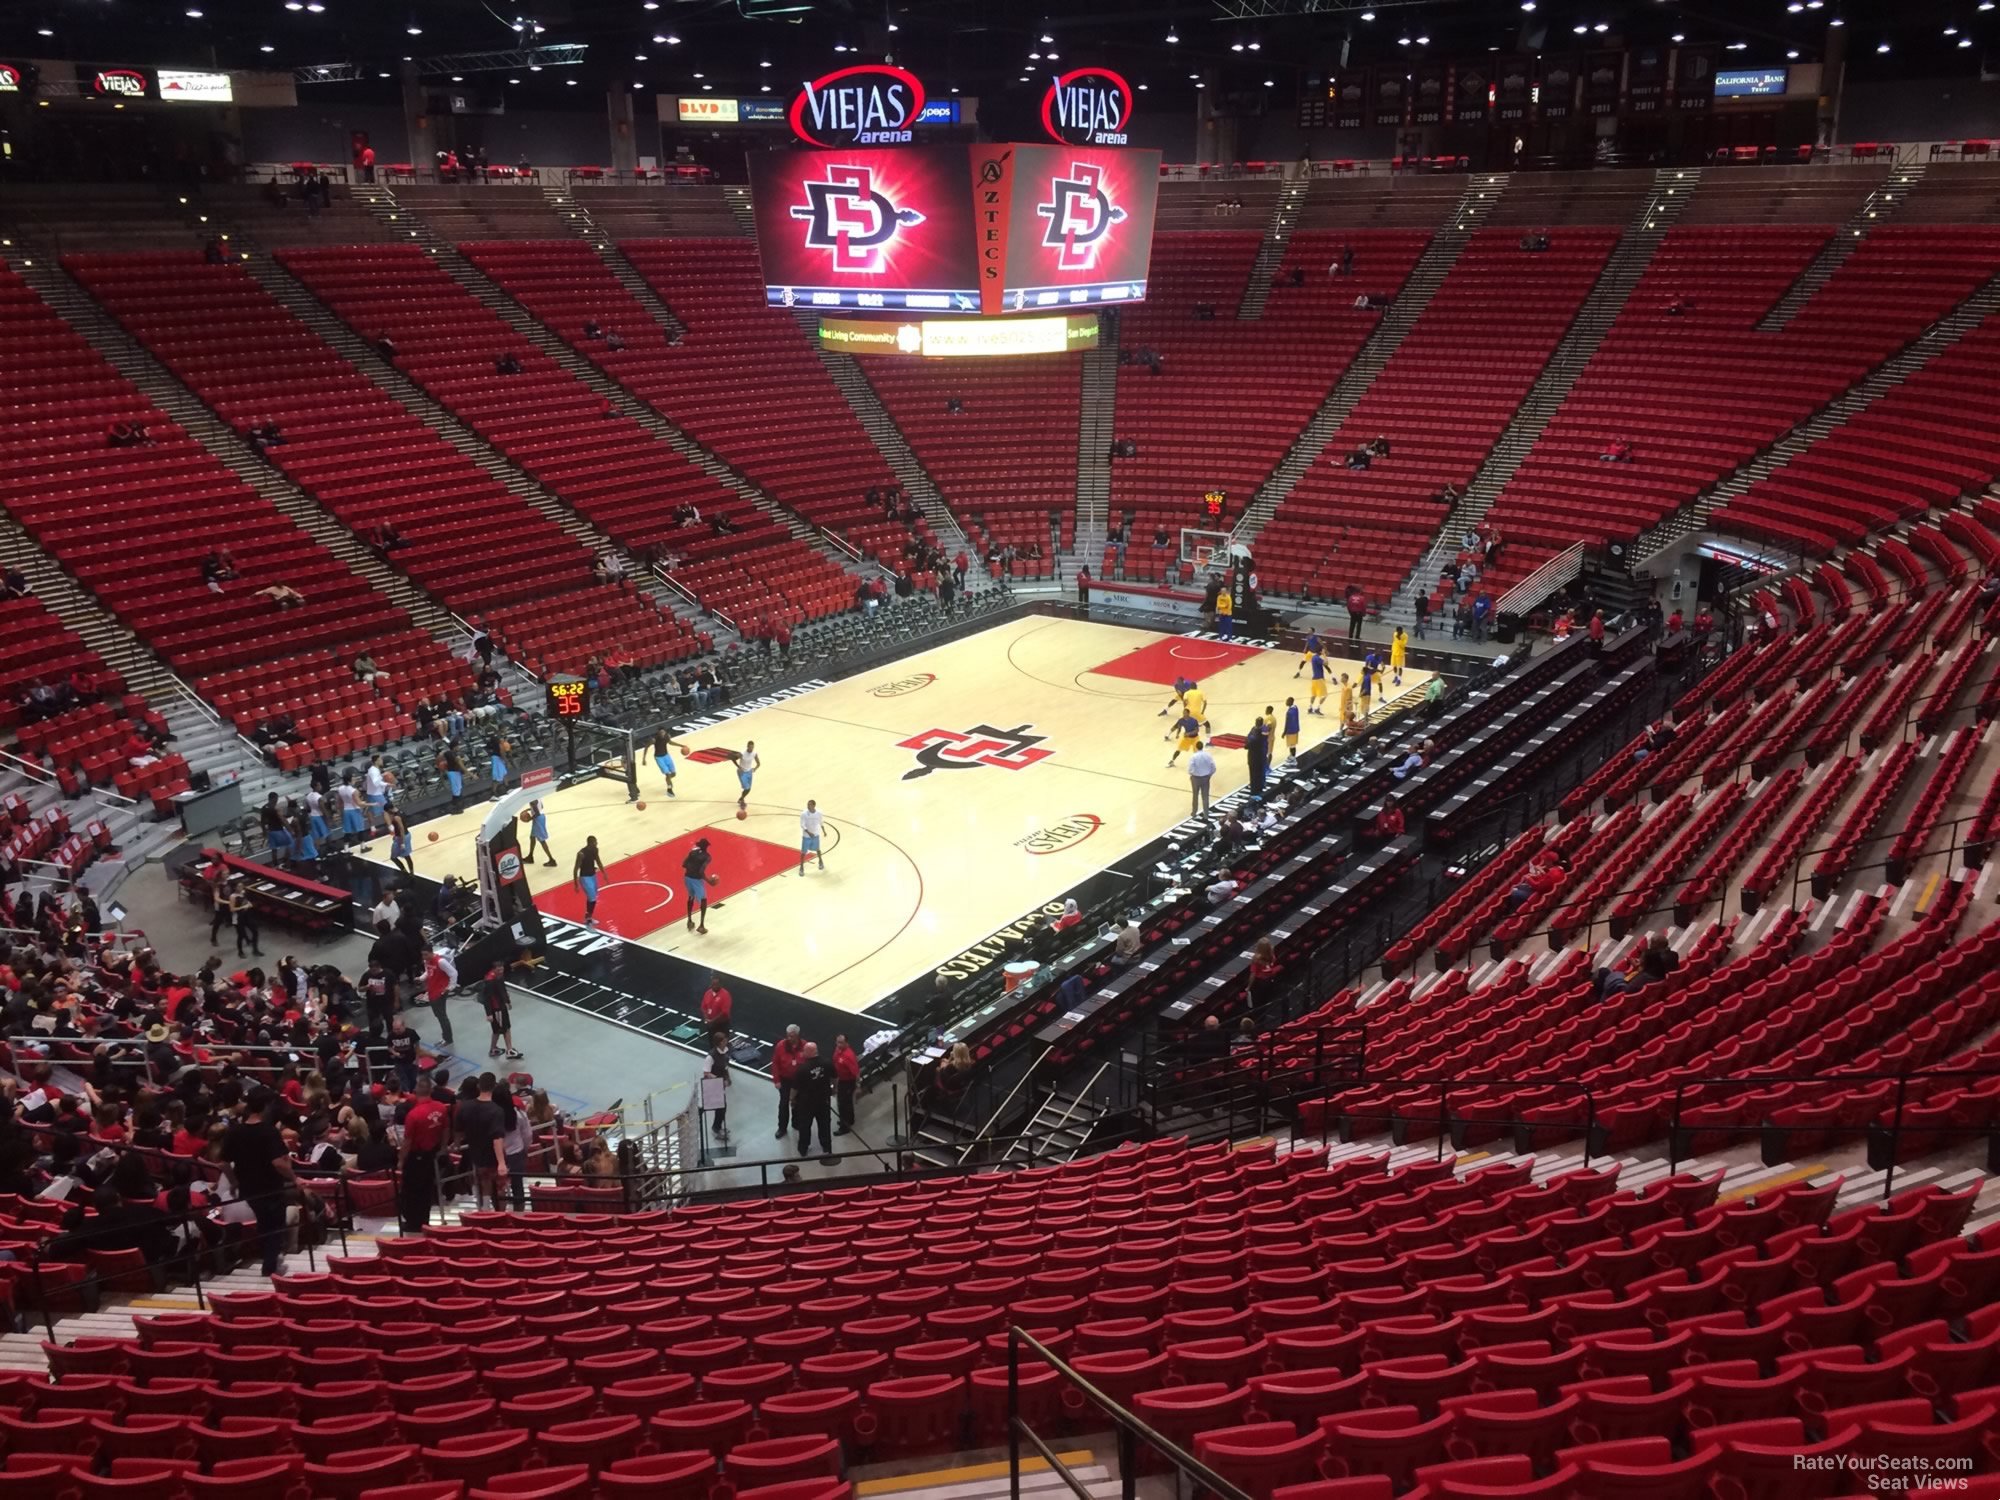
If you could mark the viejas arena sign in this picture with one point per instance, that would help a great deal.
(1088, 107)
(873, 104)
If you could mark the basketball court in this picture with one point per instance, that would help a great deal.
(961, 786)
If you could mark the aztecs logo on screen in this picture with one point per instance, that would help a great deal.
(1078, 216)
(851, 219)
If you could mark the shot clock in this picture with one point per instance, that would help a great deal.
(569, 698)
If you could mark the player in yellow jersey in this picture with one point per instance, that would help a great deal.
(1345, 703)
(1316, 659)
(1399, 651)
(1195, 701)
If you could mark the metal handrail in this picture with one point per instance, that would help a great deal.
(1130, 1429)
(1544, 581)
(979, 1136)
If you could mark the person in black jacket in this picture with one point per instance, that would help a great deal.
(812, 1100)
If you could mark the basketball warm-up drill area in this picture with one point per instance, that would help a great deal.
(960, 787)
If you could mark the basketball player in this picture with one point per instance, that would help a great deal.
(1181, 685)
(1195, 701)
(1316, 659)
(812, 822)
(1292, 729)
(584, 876)
(1346, 704)
(1399, 652)
(1305, 659)
(694, 879)
(1188, 729)
(746, 768)
(538, 832)
(663, 756)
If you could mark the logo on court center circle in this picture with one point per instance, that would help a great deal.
(1067, 834)
(982, 745)
(915, 682)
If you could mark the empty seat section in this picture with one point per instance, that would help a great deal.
(1442, 401)
(134, 524)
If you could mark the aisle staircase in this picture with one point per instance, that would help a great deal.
(1426, 276)
(1285, 211)
(1096, 427)
(1880, 206)
(888, 439)
(1693, 517)
(78, 608)
(299, 300)
(137, 364)
(1672, 188)
(570, 209)
(381, 202)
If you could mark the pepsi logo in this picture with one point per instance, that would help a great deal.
(915, 682)
(1067, 834)
(1088, 107)
(873, 104)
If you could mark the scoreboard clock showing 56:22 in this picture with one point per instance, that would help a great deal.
(569, 698)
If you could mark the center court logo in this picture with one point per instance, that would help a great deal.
(915, 682)
(1078, 216)
(1067, 834)
(847, 216)
(982, 745)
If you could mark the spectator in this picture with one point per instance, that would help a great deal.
(786, 1059)
(716, 1008)
(718, 1068)
(1357, 611)
(846, 1079)
(1659, 959)
(1126, 948)
(1544, 875)
(812, 1100)
(954, 1075)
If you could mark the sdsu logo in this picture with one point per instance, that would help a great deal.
(846, 216)
(1078, 216)
(982, 745)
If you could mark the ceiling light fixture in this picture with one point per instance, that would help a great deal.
(1602, 26)
(570, 81)
(511, 80)
(1173, 35)
(1034, 57)
(1795, 7)
(1881, 46)
(1528, 5)
(1793, 55)
(1054, 55)
(1680, 36)
(1270, 83)
(1256, 46)
(1965, 41)
(43, 31)
(458, 78)
(1951, 31)
(1836, 21)
(765, 63)
(894, 27)
(1402, 41)
(1738, 46)
(1580, 28)
(314, 8)
(638, 57)
(193, 14)
(1047, 38)
(840, 46)
(267, 47)
(1141, 87)
(1235, 46)
(414, 29)
(765, 88)
(701, 75)
(1423, 41)
(1368, 15)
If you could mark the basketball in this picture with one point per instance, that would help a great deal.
(742, 813)
(714, 880)
(434, 837)
(527, 815)
(641, 806)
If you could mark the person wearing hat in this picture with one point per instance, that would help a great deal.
(161, 1060)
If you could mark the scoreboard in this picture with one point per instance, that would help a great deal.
(569, 698)
(985, 229)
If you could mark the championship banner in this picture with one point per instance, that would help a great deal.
(1350, 99)
(1694, 77)
(1646, 80)
(1471, 85)
(1387, 94)
(1513, 85)
(1603, 82)
(1557, 95)
(1430, 93)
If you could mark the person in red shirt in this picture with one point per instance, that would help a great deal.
(1389, 822)
(959, 565)
(1597, 627)
(1674, 623)
(716, 1006)
(786, 1060)
(846, 1078)
(425, 1130)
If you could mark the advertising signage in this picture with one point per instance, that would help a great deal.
(1088, 107)
(873, 104)
(10, 78)
(180, 86)
(960, 338)
(707, 111)
(1746, 83)
(115, 83)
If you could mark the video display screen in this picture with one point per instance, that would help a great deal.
(872, 227)
(992, 230)
(1079, 226)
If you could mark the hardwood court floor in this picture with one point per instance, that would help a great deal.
(961, 787)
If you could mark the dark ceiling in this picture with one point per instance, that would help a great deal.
(982, 47)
